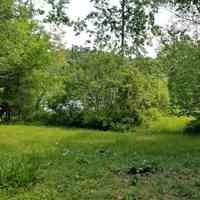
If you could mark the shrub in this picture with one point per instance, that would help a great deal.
(96, 121)
(18, 171)
(111, 96)
(193, 127)
(150, 115)
(122, 127)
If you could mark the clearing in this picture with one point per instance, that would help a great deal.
(41, 163)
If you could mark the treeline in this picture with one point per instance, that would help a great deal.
(40, 80)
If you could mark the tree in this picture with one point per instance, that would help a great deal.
(124, 27)
(187, 14)
(6, 9)
(105, 92)
(182, 65)
(57, 13)
(25, 48)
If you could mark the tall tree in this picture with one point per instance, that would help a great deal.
(186, 11)
(123, 4)
(25, 48)
(57, 13)
(124, 26)
(181, 60)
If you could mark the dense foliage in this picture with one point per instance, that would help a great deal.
(183, 67)
(102, 91)
(108, 86)
(24, 51)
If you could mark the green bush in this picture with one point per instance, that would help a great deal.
(193, 127)
(102, 92)
(18, 171)
(150, 116)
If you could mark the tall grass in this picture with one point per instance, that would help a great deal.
(170, 124)
(18, 171)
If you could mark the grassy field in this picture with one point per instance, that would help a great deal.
(40, 163)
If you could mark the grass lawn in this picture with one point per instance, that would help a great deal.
(40, 163)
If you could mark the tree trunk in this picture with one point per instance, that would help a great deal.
(123, 6)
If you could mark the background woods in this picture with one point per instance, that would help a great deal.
(112, 84)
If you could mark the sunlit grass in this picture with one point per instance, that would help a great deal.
(170, 124)
(58, 164)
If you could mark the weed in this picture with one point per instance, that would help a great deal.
(143, 168)
(18, 171)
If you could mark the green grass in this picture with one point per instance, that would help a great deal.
(40, 163)
(18, 171)
(170, 124)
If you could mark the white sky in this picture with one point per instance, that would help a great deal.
(80, 8)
